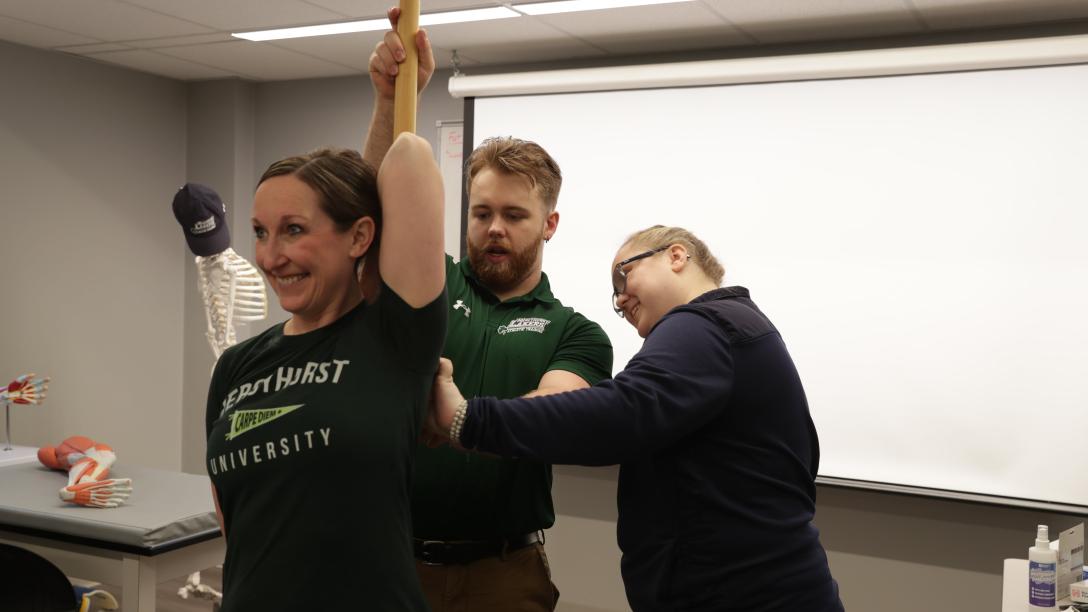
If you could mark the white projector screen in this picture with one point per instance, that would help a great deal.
(920, 242)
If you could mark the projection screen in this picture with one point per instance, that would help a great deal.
(920, 242)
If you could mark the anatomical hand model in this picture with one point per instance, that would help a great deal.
(88, 465)
(25, 389)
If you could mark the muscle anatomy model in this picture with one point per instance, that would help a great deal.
(88, 465)
(26, 389)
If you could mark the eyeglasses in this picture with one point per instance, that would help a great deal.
(619, 277)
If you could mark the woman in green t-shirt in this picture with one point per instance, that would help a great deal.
(312, 424)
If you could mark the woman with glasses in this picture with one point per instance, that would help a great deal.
(711, 427)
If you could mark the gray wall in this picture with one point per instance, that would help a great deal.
(889, 553)
(220, 155)
(92, 268)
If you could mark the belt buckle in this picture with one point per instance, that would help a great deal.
(427, 552)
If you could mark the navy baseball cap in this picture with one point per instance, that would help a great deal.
(202, 214)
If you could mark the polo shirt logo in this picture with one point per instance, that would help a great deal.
(527, 324)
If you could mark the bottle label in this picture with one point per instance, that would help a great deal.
(1041, 581)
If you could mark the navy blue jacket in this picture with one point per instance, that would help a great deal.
(718, 457)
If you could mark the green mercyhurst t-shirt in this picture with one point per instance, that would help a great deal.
(500, 349)
(311, 439)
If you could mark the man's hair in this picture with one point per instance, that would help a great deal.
(660, 236)
(521, 157)
(346, 185)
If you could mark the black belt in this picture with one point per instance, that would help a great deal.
(437, 552)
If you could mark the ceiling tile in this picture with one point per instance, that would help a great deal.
(507, 41)
(634, 19)
(354, 50)
(242, 14)
(347, 49)
(501, 39)
(527, 52)
(670, 41)
(157, 63)
(955, 14)
(182, 41)
(33, 35)
(93, 48)
(643, 29)
(800, 20)
(192, 39)
(258, 61)
(104, 20)
(512, 32)
(377, 8)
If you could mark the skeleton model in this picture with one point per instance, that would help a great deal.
(26, 389)
(88, 465)
(232, 290)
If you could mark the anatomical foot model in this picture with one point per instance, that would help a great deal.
(88, 465)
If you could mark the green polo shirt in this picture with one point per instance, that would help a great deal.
(500, 349)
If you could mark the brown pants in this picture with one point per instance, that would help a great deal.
(519, 581)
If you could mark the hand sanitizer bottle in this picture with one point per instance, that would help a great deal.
(1042, 573)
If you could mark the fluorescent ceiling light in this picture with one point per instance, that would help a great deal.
(572, 6)
(370, 25)
(484, 14)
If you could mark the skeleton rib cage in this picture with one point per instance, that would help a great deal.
(233, 291)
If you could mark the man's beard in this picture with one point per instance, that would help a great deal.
(504, 275)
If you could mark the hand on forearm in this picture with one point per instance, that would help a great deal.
(444, 402)
(446, 397)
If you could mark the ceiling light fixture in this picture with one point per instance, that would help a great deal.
(368, 25)
(371, 25)
(484, 14)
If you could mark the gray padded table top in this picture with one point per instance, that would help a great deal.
(166, 508)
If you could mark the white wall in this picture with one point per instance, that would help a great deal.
(90, 255)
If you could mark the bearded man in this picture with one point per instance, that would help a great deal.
(478, 520)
